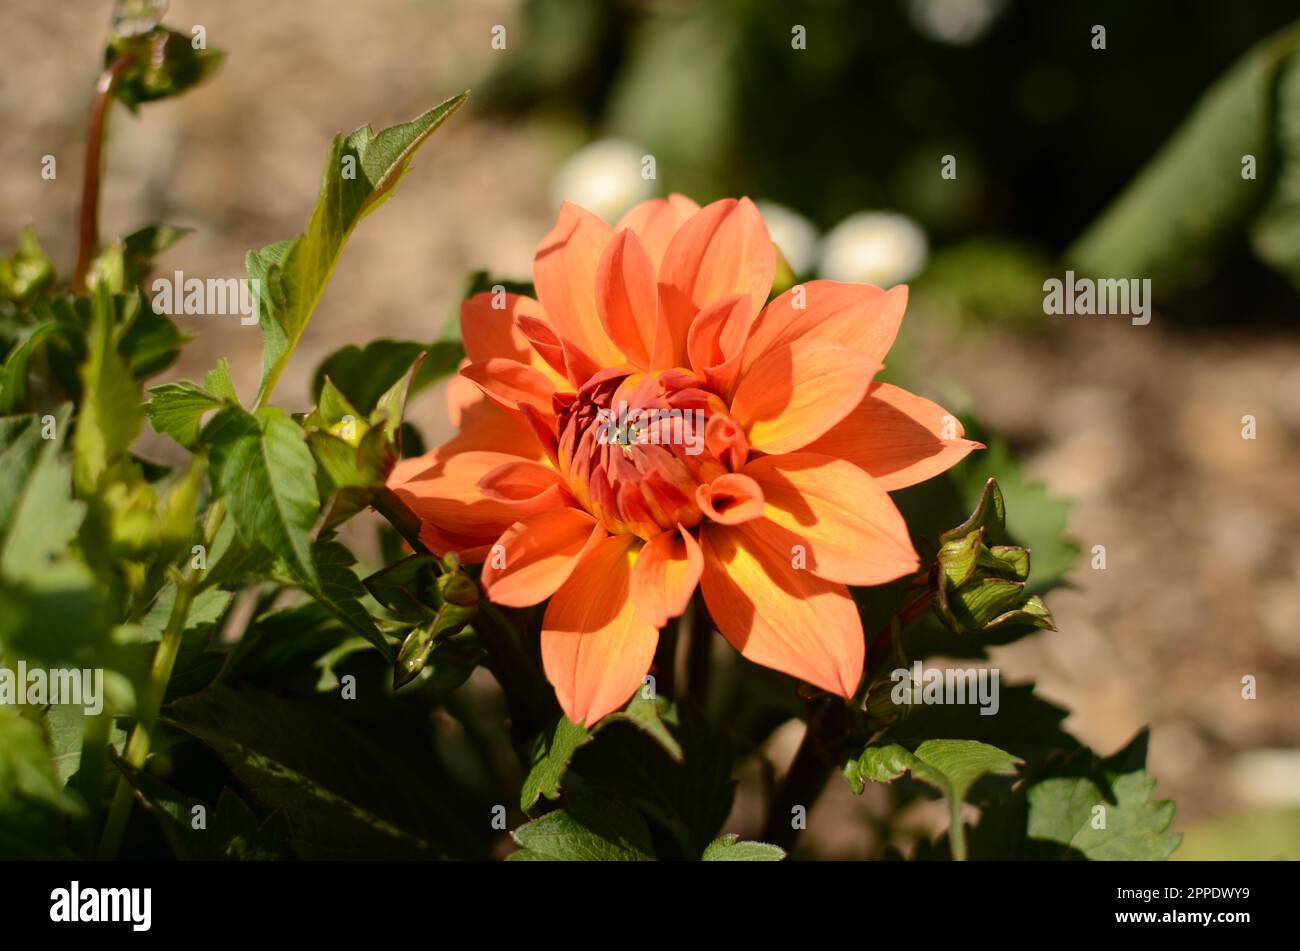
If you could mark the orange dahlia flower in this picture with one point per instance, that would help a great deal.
(651, 423)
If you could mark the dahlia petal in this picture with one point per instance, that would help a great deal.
(518, 479)
(715, 342)
(596, 648)
(723, 249)
(490, 331)
(859, 316)
(627, 299)
(562, 356)
(778, 616)
(898, 438)
(462, 394)
(665, 575)
(798, 391)
(849, 527)
(537, 554)
(448, 493)
(564, 271)
(656, 221)
(725, 441)
(511, 384)
(730, 499)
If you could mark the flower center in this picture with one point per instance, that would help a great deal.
(632, 448)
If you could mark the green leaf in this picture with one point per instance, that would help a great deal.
(1026, 725)
(177, 409)
(729, 848)
(140, 247)
(551, 756)
(13, 372)
(26, 768)
(340, 590)
(28, 271)
(148, 341)
(231, 831)
(39, 518)
(360, 174)
(263, 470)
(110, 414)
(688, 796)
(364, 375)
(341, 793)
(161, 63)
(554, 750)
(1106, 814)
(591, 828)
(950, 766)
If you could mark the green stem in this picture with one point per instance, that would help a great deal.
(91, 771)
(160, 674)
(137, 747)
(956, 830)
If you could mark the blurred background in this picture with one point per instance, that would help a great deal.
(841, 117)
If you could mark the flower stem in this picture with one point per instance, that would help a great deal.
(88, 241)
(956, 830)
(699, 649)
(137, 747)
(160, 675)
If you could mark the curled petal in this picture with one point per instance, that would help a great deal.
(730, 499)
(596, 647)
(725, 441)
(779, 616)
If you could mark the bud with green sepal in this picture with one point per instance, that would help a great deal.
(354, 452)
(441, 601)
(978, 586)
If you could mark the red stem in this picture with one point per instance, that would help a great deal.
(88, 242)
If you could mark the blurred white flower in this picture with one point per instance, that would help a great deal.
(874, 247)
(958, 22)
(794, 234)
(604, 177)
